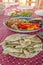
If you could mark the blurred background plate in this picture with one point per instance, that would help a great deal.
(39, 12)
(16, 10)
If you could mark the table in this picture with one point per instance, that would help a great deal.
(10, 60)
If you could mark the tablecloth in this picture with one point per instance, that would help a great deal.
(10, 60)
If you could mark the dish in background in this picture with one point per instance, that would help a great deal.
(22, 13)
(22, 45)
(25, 7)
(39, 12)
(29, 25)
(2, 8)
(19, 13)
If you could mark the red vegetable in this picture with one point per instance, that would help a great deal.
(28, 26)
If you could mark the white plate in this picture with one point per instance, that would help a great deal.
(20, 31)
(25, 7)
(39, 12)
(12, 8)
(12, 37)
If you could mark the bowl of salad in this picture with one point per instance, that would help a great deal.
(20, 13)
(25, 13)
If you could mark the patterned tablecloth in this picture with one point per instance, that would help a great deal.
(10, 60)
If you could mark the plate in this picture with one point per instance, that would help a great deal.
(17, 10)
(14, 37)
(25, 7)
(17, 16)
(17, 30)
(39, 12)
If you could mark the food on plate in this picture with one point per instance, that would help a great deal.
(28, 25)
(22, 24)
(22, 13)
(22, 45)
(11, 21)
(14, 14)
